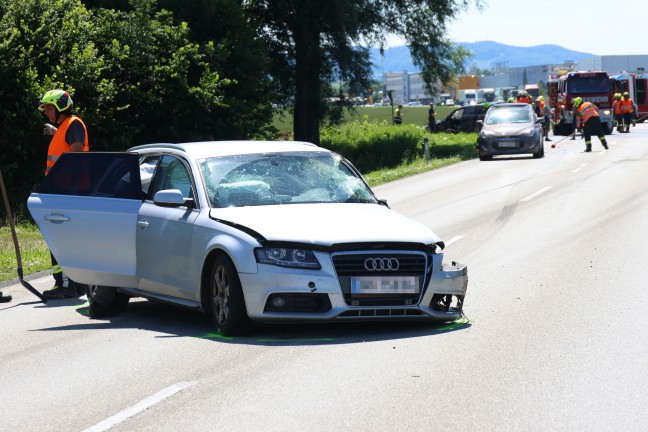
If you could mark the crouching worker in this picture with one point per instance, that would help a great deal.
(107, 302)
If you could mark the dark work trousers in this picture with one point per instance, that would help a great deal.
(593, 127)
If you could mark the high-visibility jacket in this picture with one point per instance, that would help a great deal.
(58, 145)
(626, 106)
(524, 99)
(617, 106)
(587, 110)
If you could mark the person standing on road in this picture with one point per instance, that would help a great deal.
(543, 112)
(398, 116)
(589, 115)
(618, 116)
(69, 134)
(627, 108)
(431, 118)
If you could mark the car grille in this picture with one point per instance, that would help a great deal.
(352, 265)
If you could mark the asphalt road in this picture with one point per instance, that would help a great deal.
(557, 337)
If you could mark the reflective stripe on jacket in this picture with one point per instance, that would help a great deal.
(588, 110)
(626, 106)
(58, 146)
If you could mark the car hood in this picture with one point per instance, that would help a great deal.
(327, 224)
(508, 129)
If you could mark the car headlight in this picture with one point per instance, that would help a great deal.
(287, 257)
(606, 112)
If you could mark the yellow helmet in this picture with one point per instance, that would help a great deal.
(577, 101)
(540, 99)
(60, 99)
(626, 94)
(617, 95)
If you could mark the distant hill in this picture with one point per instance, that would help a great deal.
(486, 55)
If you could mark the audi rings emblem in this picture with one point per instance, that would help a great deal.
(381, 264)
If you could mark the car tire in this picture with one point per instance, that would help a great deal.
(485, 158)
(226, 301)
(120, 301)
(540, 152)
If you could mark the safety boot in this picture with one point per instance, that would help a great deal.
(588, 148)
(59, 292)
(63, 287)
(605, 146)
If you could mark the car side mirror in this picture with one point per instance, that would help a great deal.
(171, 198)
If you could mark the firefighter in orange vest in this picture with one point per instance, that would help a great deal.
(627, 108)
(524, 98)
(618, 117)
(591, 122)
(69, 135)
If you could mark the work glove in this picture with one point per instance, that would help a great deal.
(48, 129)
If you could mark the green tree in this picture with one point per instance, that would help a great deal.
(312, 42)
(231, 47)
(134, 75)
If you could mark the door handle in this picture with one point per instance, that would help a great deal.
(143, 224)
(57, 218)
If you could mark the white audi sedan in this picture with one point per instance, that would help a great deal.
(247, 231)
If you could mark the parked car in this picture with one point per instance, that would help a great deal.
(462, 119)
(449, 102)
(510, 128)
(247, 231)
(414, 103)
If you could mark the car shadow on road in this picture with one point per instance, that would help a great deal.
(174, 322)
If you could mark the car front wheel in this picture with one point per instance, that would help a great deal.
(227, 307)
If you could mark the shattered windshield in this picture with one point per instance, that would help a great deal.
(281, 178)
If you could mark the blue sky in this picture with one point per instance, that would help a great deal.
(595, 26)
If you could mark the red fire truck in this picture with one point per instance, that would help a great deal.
(637, 86)
(595, 87)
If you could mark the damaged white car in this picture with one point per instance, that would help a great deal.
(247, 231)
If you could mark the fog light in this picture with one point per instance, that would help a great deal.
(279, 301)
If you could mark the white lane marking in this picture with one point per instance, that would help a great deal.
(541, 191)
(454, 240)
(139, 407)
(579, 168)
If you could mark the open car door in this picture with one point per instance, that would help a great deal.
(86, 209)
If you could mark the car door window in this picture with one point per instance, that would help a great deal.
(95, 174)
(458, 114)
(171, 173)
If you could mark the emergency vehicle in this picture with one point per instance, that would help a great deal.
(637, 86)
(593, 86)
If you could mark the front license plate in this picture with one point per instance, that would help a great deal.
(508, 144)
(385, 285)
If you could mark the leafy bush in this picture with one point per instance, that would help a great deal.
(371, 146)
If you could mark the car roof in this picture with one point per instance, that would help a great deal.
(204, 149)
